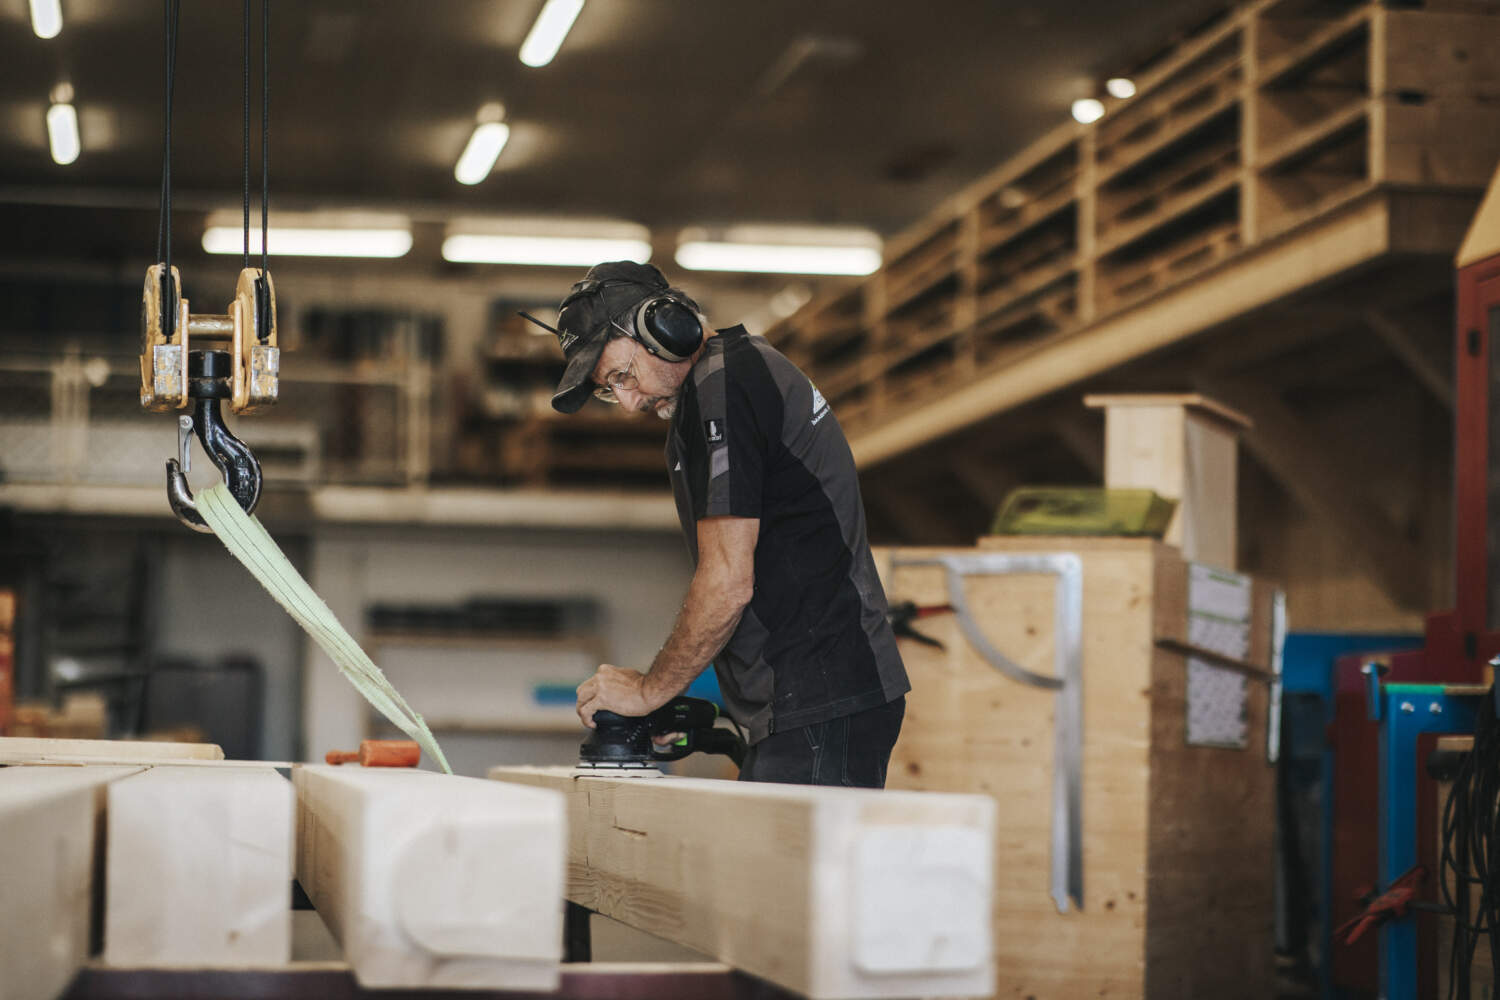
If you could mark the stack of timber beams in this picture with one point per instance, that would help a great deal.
(1177, 840)
(827, 892)
(1288, 144)
(177, 866)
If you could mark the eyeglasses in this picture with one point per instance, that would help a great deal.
(621, 379)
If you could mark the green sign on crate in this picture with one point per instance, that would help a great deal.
(1083, 510)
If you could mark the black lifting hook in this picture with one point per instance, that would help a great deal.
(208, 384)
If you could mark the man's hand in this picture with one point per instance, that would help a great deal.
(615, 689)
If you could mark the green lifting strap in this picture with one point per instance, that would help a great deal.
(249, 542)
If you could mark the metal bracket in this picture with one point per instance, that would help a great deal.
(1067, 753)
(1273, 705)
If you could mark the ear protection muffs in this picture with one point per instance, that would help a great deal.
(668, 328)
(663, 324)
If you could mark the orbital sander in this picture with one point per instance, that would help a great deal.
(622, 745)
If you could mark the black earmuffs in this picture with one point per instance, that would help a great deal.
(668, 328)
(664, 324)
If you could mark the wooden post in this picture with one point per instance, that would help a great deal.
(430, 880)
(828, 892)
(1185, 447)
(199, 868)
(49, 820)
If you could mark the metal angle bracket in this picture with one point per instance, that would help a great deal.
(1067, 682)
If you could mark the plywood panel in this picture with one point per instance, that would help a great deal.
(1161, 821)
(968, 728)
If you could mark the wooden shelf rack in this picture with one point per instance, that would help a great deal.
(1269, 123)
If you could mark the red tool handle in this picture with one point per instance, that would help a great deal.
(378, 753)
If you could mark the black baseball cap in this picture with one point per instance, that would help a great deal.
(609, 291)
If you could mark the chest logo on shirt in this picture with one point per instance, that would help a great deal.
(714, 431)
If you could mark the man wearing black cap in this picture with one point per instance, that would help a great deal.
(784, 601)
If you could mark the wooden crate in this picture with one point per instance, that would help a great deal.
(1177, 839)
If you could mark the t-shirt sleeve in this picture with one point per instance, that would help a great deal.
(728, 443)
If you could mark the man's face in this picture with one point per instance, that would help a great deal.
(657, 381)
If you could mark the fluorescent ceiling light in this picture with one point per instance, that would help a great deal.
(769, 258)
(46, 18)
(547, 34)
(1087, 110)
(62, 133)
(480, 154)
(1120, 87)
(553, 251)
(545, 241)
(313, 234)
(780, 250)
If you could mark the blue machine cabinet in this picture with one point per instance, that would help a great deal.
(1405, 712)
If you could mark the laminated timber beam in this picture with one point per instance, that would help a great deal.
(1409, 349)
(828, 892)
(199, 868)
(50, 819)
(431, 880)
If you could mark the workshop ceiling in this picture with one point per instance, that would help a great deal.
(662, 112)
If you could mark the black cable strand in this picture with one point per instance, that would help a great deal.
(245, 119)
(1471, 851)
(166, 46)
(265, 128)
(171, 11)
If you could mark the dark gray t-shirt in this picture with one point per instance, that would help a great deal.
(752, 437)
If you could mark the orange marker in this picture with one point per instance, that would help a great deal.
(378, 753)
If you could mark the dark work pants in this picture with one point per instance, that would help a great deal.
(852, 750)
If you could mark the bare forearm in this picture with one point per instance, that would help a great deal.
(705, 623)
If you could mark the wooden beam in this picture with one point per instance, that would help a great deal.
(1322, 481)
(988, 480)
(33, 750)
(828, 892)
(1084, 439)
(916, 518)
(1356, 235)
(430, 880)
(49, 818)
(1412, 354)
(199, 868)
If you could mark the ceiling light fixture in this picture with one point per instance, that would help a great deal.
(1121, 87)
(314, 235)
(479, 155)
(46, 18)
(62, 133)
(780, 250)
(1087, 110)
(547, 34)
(545, 242)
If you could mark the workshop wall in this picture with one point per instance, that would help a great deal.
(210, 608)
(637, 579)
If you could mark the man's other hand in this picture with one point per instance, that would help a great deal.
(615, 689)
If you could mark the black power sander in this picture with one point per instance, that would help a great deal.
(623, 744)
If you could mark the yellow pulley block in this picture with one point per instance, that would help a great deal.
(163, 342)
(249, 326)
